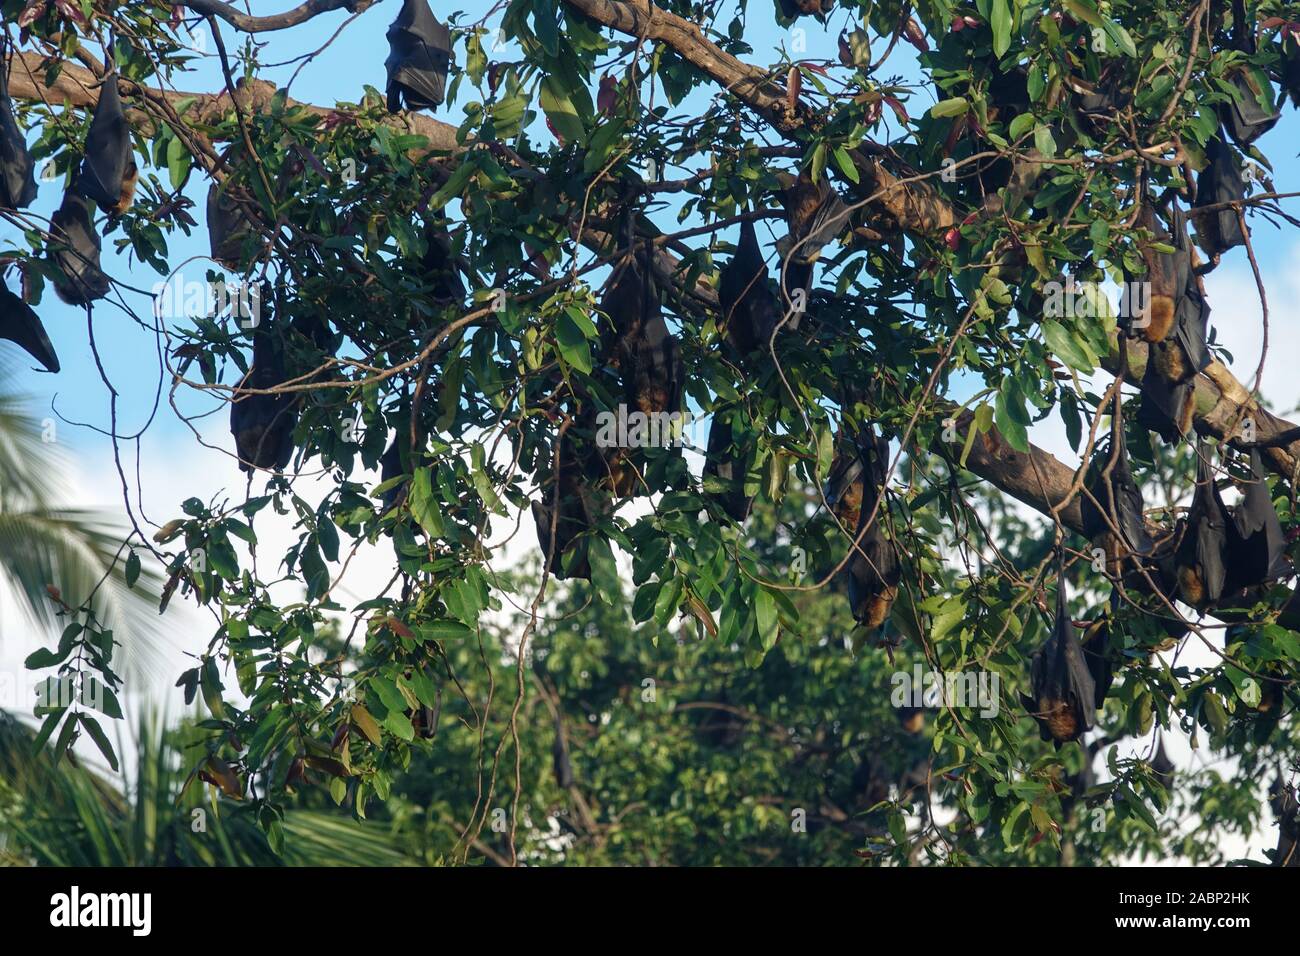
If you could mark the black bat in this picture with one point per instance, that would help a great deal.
(873, 570)
(646, 353)
(1162, 766)
(1245, 117)
(1291, 68)
(1256, 544)
(17, 170)
(750, 310)
(263, 424)
(74, 251)
(793, 9)
(1165, 408)
(579, 509)
(727, 463)
(440, 267)
(1114, 499)
(390, 467)
(1167, 273)
(1096, 653)
(21, 325)
(1064, 694)
(560, 758)
(1219, 230)
(108, 171)
(1200, 557)
(228, 227)
(419, 56)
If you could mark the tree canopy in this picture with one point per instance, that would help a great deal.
(468, 323)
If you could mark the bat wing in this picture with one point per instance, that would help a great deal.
(108, 149)
(1163, 406)
(17, 170)
(418, 60)
(1260, 539)
(22, 326)
(1193, 321)
(749, 309)
(75, 251)
(1096, 654)
(1122, 492)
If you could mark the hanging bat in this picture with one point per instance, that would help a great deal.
(873, 570)
(816, 217)
(263, 424)
(1219, 230)
(1096, 654)
(390, 467)
(108, 171)
(793, 9)
(1164, 408)
(578, 512)
(17, 170)
(419, 56)
(750, 310)
(74, 251)
(1168, 275)
(1114, 499)
(1200, 557)
(1244, 118)
(1162, 766)
(440, 266)
(646, 354)
(1287, 810)
(1064, 693)
(22, 326)
(560, 757)
(228, 227)
(911, 719)
(728, 464)
(1256, 548)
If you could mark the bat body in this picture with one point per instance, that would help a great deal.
(1168, 273)
(418, 59)
(1219, 230)
(263, 424)
(228, 227)
(1245, 119)
(22, 326)
(1200, 557)
(873, 570)
(793, 9)
(74, 251)
(440, 267)
(560, 758)
(390, 467)
(108, 173)
(1064, 692)
(645, 352)
(728, 465)
(579, 509)
(1096, 654)
(1114, 504)
(17, 170)
(750, 311)
(1257, 545)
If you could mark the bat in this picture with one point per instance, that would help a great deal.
(911, 719)
(816, 217)
(1199, 560)
(1162, 766)
(1244, 117)
(75, 251)
(1115, 497)
(1168, 274)
(108, 171)
(873, 570)
(1064, 692)
(419, 56)
(750, 311)
(263, 424)
(1256, 548)
(578, 511)
(793, 9)
(647, 355)
(390, 467)
(1219, 230)
(439, 266)
(17, 169)
(560, 757)
(22, 326)
(727, 464)
(228, 227)
(1096, 654)
(1165, 408)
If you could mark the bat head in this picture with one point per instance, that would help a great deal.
(418, 59)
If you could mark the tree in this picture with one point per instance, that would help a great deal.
(481, 311)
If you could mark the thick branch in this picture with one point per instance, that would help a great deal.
(276, 21)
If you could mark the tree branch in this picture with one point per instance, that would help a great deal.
(277, 21)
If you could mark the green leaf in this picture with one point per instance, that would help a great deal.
(425, 509)
(132, 569)
(99, 737)
(956, 106)
(1000, 21)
